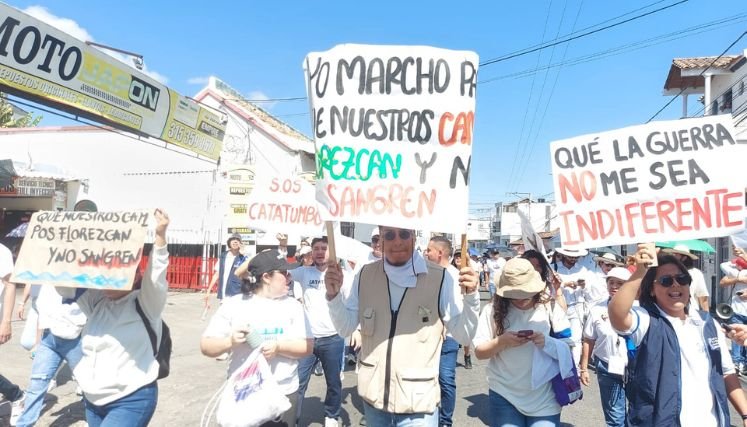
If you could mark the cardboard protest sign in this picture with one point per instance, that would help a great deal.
(393, 131)
(99, 250)
(284, 204)
(672, 180)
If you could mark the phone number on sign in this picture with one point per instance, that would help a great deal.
(189, 137)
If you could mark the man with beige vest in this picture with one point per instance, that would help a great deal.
(403, 304)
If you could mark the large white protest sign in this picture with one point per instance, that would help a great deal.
(393, 130)
(284, 204)
(672, 180)
(100, 250)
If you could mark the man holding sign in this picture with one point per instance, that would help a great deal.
(402, 329)
(393, 136)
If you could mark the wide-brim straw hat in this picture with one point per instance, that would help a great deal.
(681, 250)
(572, 252)
(609, 258)
(519, 280)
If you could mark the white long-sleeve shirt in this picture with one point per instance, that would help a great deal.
(117, 352)
(460, 312)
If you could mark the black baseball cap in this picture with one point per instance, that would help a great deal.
(267, 261)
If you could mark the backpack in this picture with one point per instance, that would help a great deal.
(162, 352)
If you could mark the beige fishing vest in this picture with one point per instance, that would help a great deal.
(398, 362)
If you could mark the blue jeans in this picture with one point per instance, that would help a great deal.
(50, 353)
(612, 392)
(738, 352)
(504, 414)
(328, 350)
(447, 380)
(133, 410)
(379, 418)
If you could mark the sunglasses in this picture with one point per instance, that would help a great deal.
(375, 239)
(667, 281)
(608, 265)
(285, 273)
(403, 235)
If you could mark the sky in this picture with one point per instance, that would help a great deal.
(610, 79)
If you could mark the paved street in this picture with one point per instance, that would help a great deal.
(194, 378)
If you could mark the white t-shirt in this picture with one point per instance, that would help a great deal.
(607, 343)
(698, 409)
(510, 370)
(737, 303)
(275, 319)
(227, 265)
(6, 268)
(698, 287)
(574, 297)
(496, 267)
(62, 320)
(314, 295)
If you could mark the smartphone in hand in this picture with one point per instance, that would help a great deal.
(526, 333)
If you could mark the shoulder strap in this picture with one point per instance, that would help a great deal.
(151, 332)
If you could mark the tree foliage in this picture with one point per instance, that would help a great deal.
(8, 121)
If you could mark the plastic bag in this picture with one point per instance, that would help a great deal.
(251, 395)
(28, 336)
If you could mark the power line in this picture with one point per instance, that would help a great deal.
(112, 130)
(588, 33)
(531, 92)
(699, 75)
(524, 162)
(628, 47)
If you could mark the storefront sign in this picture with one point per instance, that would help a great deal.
(40, 62)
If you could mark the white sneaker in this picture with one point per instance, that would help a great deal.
(52, 385)
(330, 422)
(16, 409)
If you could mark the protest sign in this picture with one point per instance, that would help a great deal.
(284, 204)
(99, 250)
(671, 180)
(393, 131)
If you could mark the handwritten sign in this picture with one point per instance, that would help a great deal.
(393, 130)
(672, 180)
(284, 204)
(99, 250)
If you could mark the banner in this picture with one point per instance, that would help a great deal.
(284, 204)
(673, 180)
(46, 65)
(393, 131)
(99, 250)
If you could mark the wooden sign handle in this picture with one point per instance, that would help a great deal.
(331, 240)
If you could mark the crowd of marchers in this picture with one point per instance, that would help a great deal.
(640, 324)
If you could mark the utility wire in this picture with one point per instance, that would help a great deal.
(699, 75)
(588, 33)
(531, 92)
(523, 147)
(629, 47)
(525, 163)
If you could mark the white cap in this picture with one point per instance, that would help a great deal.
(621, 273)
(374, 232)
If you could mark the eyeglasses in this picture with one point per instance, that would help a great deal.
(285, 273)
(667, 281)
(403, 235)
